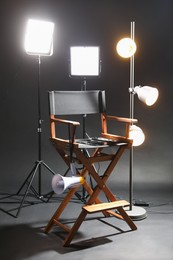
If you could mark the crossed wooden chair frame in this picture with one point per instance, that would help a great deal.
(113, 206)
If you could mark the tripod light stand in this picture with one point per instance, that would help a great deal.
(126, 48)
(38, 42)
(84, 64)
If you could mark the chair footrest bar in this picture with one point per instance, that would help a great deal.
(105, 206)
(63, 226)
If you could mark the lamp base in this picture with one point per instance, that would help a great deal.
(136, 213)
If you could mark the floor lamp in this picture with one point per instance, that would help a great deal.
(84, 63)
(126, 48)
(38, 42)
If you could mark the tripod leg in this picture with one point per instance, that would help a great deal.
(32, 175)
(48, 168)
(50, 194)
(26, 180)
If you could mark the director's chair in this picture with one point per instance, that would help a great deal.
(72, 150)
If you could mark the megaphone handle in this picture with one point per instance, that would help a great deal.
(73, 169)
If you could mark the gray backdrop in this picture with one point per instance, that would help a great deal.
(81, 22)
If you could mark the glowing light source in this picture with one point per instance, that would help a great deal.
(39, 38)
(126, 47)
(137, 135)
(147, 94)
(84, 61)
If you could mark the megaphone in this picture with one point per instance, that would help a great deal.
(60, 183)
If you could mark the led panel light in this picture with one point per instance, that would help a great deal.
(84, 61)
(39, 38)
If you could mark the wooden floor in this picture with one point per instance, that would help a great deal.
(24, 238)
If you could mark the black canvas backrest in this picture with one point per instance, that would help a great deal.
(77, 102)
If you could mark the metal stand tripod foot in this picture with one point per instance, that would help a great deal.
(29, 180)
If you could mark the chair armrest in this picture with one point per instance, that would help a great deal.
(63, 121)
(121, 119)
(71, 124)
(107, 134)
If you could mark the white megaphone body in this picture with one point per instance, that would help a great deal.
(60, 183)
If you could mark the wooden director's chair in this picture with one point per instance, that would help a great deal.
(72, 149)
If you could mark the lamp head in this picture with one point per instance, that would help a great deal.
(39, 38)
(137, 135)
(147, 94)
(126, 47)
(84, 61)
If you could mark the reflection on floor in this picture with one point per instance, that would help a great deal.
(24, 237)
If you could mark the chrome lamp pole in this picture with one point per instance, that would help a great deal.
(126, 48)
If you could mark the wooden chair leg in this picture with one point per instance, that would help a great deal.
(127, 218)
(60, 209)
(75, 228)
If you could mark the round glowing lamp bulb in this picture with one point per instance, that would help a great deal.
(126, 47)
(137, 135)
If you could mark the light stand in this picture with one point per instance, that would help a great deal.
(32, 46)
(127, 48)
(84, 63)
(83, 88)
(134, 212)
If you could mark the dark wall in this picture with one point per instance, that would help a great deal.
(81, 22)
